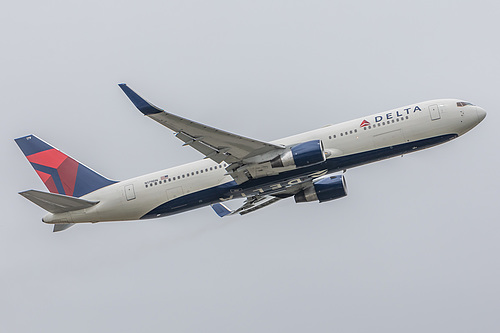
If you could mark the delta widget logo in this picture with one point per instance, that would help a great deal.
(364, 123)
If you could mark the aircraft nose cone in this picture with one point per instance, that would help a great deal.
(481, 114)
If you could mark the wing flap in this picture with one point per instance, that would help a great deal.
(259, 206)
(250, 205)
(56, 203)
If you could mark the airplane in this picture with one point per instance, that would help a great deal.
(308, 166)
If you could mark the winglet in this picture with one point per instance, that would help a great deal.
(221, 210)
(139, 102)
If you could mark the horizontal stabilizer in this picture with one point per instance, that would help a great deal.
(56, 203)
(62, 226)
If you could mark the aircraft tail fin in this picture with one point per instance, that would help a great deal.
(56, 203)
(59, 172)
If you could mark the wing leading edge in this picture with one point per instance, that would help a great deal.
(216, 144)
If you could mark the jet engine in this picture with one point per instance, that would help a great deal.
(303, 154)
(325, 189)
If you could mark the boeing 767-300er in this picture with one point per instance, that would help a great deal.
(300, 166)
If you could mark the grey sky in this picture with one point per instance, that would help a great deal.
(412, 248)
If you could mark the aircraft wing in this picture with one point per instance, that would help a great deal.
(215, 144)
(250, 205)
(253, 203)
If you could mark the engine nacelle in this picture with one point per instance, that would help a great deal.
(325, 189)
(303, 154)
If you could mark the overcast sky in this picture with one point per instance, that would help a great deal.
(412, 248)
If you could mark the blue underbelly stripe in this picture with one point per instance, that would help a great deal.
(212, 195)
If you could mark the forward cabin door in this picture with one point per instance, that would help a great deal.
(434, 112)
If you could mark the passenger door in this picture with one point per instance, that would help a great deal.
(129, 192)
(434, 112)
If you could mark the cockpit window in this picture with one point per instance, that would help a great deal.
(464, 103)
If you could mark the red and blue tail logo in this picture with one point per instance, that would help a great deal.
(59, 172)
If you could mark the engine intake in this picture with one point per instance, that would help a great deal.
(325, 189)
(303, 154)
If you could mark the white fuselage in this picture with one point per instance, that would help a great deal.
(348, 144)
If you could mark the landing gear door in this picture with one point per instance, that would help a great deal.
(434, 112)
(129, 192)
